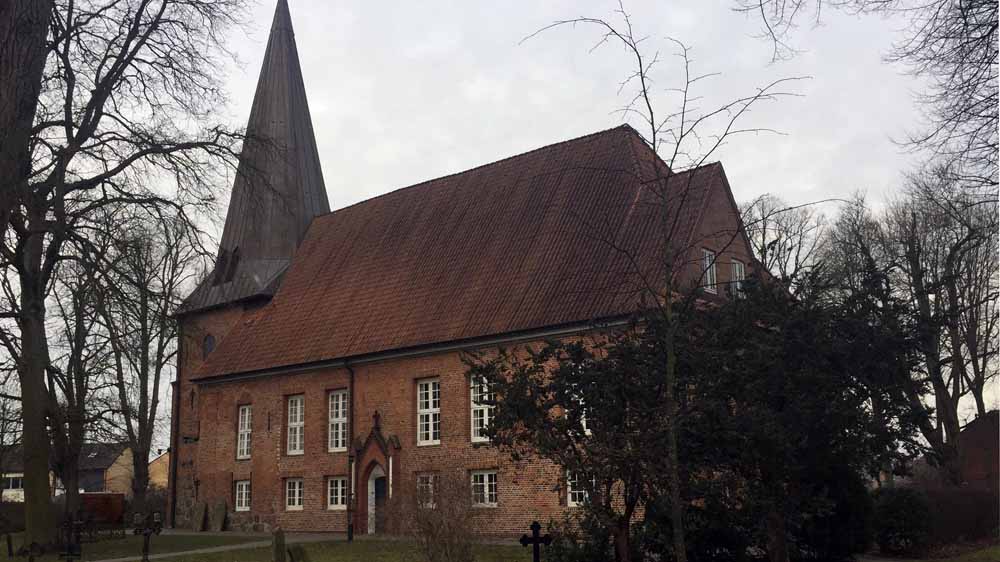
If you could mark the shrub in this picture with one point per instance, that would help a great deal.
(963, 514)
(839, 526)
(441, 525)
(902, 521)
(11, 517)
(579, 538)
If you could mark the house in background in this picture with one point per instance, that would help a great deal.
(979, 458)
(159, 470)
(104, 467)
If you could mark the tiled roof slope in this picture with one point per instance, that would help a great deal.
(562, 234)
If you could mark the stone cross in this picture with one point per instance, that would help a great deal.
(536, 541)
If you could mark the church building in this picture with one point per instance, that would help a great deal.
(320, 368)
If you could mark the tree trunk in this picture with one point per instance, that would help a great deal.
(623, 548)
(140, 478)
(34, 360)
(777, 542)
(23, 28)
(39, 524)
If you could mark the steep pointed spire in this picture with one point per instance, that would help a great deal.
(279, 182)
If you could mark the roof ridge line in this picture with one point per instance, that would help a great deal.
(624, 126)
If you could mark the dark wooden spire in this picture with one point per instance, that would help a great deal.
(279, 182)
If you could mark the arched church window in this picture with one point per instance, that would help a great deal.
(208, 346)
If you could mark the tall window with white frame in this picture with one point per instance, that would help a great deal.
(337, 433)
(244, 432)
(576, 495)
(296, 425)
(708, 263)
(482, 412)
(294, 494)
(427, 490)
(429, 412)
(739, 275)
(336, 493)
(484, 488)
(243, 495)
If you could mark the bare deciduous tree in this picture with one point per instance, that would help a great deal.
(127, 115)
(685, 138)
(154, 262)
(951, 44)
(786, 241)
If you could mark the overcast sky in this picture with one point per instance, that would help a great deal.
(402, 92)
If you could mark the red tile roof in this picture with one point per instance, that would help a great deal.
(563, 234)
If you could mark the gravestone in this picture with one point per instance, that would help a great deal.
(199, 516)
(217, 517)
(278, 545)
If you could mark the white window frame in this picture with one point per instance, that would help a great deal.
(573, 489)
(337, 412)
(708, 263)
(428, 412)
(296, 440)
(244, 495)
(426, 486)
(739, 275)
(9, 480)
(583, 418)
(484, 488)
(480, 415)
(295, 491)
(336, 493)
(244, 432)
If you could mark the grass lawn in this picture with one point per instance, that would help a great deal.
(131, 544)
(358, 551)
(988, 554)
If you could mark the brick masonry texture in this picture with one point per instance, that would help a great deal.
(527, 490)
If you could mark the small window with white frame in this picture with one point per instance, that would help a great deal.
(484, 488)
(427, 485)
(337, 433)
(576, 495)
(294, 494)
(708, 264)
(244, 432)
(482, 412)
(296, 425)
(429, 412)
(336, 493)
(243, 495)
(739, 275)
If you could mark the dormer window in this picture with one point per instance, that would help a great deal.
(221, 263)
(234, 261)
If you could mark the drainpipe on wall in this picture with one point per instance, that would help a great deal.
(351, 464)
(175, 424)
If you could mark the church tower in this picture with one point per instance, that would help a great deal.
(277, 192)
(278, 187)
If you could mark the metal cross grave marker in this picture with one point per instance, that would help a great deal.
(536, 540)
(146, 526)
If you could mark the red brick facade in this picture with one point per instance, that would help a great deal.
(207, 465)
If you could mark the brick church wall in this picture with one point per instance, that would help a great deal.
(526, 491)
